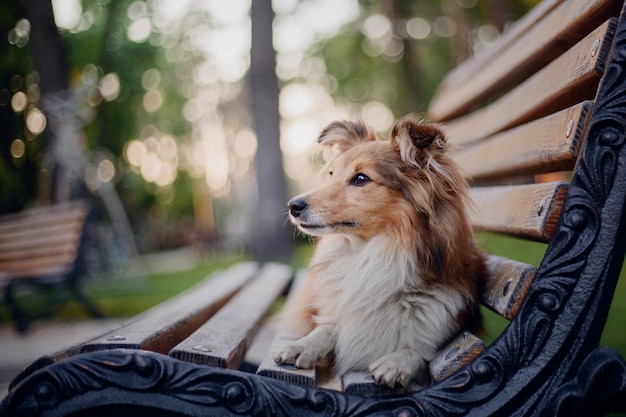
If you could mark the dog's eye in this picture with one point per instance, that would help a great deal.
(360, 179)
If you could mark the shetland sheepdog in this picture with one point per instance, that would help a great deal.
(396, 273)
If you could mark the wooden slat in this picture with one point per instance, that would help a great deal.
(456, 355)
(41, 242)
(284, 372)
(260, 344)
(17, 268)
(568, 80)
(363, 383)
(507, 284)
(29, 228)
(36, 244)
(529, 211)
(46, 273)
(42, 216)
(512, 61)
(287, 372)
(224, 339)
(466, 70)
(63, 248)
(30, 235)
(162, 327)
(545, 145)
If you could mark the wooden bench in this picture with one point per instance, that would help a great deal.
(43, 246)
(546, 99)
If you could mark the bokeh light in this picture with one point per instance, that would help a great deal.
(152, 100)
(156, 160)
(378, 115)
(35, 121)
(18, 148)
(245, 144)
(19, 101)
(110, 86)
(105, 170)
(418, 28)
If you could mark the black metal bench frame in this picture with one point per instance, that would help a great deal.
(547, 361)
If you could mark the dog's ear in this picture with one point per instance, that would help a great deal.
(418, 142)
(344, 134)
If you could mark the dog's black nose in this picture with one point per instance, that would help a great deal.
(297, 206)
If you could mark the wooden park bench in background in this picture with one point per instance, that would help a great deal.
(547, 100)
(43, 246)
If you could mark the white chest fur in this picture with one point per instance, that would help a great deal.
(372, 291)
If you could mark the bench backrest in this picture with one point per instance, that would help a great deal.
(539, 118)
(42, 242)
(520, 112)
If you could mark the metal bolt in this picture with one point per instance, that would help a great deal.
(452, 353)
(542, 205)
(201, 348)
(506, 288)
(569, 128)
(595, 47)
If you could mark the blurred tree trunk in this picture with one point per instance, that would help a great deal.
(65, 155)
(46, 46)
(272, 239)
(64, 159)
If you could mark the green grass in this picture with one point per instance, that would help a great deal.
(115, 296)
(125, 298)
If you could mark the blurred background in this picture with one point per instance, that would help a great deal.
(188, 124)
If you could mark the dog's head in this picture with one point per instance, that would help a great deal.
(372, 185)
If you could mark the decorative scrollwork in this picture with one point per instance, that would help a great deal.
(192, 387)
(597, 389)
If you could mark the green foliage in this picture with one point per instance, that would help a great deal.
(613, 334)
(362, 78)
(367, 69)
(18, 176)
(106, 48)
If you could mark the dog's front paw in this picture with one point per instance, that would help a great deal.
(389, 371)
(405, 367)
(300, 355)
